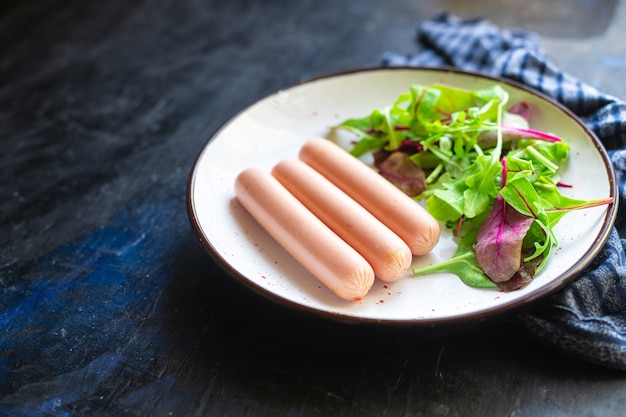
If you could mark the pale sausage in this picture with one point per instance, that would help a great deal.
(398, 211)
(389, 256)
(304, 236)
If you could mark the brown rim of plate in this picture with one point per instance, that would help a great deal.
(479, 317)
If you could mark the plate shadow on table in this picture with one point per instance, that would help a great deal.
(277, 352)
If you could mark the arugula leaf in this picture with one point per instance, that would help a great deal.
(463, 264)
(482, 186)
(446, 203)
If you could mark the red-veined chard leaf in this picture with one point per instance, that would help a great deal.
(499, 241)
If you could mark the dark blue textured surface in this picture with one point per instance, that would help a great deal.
(72, 307)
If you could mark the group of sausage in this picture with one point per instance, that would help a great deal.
(343, 222)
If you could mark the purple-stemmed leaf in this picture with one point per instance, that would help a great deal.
(400, 170)
(499, 241)
(522, 109)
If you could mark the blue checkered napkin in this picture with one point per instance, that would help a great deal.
(587, 319)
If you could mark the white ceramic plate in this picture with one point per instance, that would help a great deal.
(275, 127)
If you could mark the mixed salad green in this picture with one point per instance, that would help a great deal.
(481, 170)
